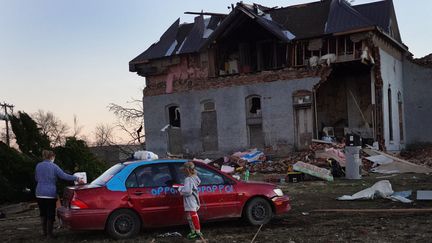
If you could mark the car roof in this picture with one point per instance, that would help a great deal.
(117, 182)
(148, 162)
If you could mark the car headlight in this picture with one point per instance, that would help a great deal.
(278, 192)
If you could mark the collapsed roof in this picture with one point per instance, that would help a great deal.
(288, 23)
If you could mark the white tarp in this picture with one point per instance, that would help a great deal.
(381, 189)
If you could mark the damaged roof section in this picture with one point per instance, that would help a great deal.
(305, 20)
(180, 39)
(342, 17)
(255, 13)
(295, 22)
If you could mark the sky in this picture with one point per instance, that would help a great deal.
(71, 57)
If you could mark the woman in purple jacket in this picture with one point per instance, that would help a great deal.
(46, 176)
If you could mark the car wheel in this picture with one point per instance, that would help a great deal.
(258, 211)
(123, 224)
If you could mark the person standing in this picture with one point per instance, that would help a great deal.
(46, 175)
(191, 200)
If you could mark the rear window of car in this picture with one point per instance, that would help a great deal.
(107, 175)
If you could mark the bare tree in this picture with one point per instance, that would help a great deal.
(130, 120)
(53, 127)
(77, 129)
(104, 135)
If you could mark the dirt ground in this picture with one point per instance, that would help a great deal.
(302, 224)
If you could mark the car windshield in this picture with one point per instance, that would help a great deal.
(107, 175)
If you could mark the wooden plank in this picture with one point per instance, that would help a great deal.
(400, 160)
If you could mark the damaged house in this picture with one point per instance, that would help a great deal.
(275, 78)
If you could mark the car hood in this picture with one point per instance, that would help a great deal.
(259, 183)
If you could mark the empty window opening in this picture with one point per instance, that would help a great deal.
(255, 105)
(400, 110)
(174, 116)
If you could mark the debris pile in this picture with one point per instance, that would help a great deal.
(319, 154)
(323, 160)
(421, 155)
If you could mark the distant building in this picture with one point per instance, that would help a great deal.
(275, 78)
(112, 154)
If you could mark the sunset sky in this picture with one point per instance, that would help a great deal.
(71, 57)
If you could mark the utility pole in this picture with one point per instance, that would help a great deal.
(6, 118)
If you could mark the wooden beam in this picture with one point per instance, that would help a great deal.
(207, 13)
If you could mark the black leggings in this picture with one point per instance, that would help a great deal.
(47, 207)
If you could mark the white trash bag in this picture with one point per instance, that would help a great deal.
(145, 155)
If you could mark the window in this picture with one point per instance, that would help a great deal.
(254, 105)
(207, 177)
(299, 54)
(389, 94)
(150, 176)
(400, 110)
(107, 175)
(174, 116)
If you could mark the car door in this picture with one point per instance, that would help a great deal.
(151, 194)
(217, 193)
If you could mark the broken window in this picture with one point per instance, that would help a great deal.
(174, 116)
(245, 58)
(349, 49)
(254, 121)
(254, 104)
(266, 55)
(345, 46)
(229, 60)
(281, 55)
(299, 54)
(332, 45)
(325, 47)
(390, 116)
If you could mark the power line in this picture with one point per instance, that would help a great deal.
(5, 106)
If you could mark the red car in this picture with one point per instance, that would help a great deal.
(132, 195)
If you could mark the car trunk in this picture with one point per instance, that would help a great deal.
(77, 191)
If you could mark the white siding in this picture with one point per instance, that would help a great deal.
(392, 75)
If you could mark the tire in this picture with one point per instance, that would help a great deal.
(123, 224)
(258, 211)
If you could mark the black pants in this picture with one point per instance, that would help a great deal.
(47, 208)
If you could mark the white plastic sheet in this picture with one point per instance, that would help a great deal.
(380, 189)
(145, 155)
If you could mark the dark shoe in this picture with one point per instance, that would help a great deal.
(50, 228)
(44, 226)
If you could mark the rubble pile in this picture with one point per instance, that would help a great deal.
(324, 160)
(309, 156)
(421, 155)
